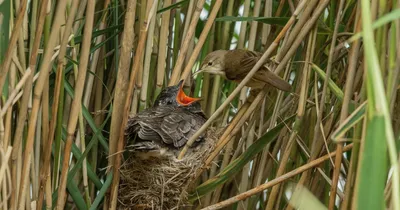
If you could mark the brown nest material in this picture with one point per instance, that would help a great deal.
(162, 183)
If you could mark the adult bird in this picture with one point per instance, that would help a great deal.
(236, 64)
(164, 128)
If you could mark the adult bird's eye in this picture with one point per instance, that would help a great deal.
(210, 63)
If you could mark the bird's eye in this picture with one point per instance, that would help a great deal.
(210, 63)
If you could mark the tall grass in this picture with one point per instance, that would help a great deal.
(72, 72)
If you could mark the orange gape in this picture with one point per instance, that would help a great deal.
(183, 99)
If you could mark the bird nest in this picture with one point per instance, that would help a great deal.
(156, 183)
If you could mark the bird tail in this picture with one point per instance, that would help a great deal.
(273, 79)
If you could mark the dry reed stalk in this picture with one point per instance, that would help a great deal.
(314, 149)
(299, 37)
(135, 69)
(42, 145)
(14, 92)
(242, 96)
(264, 159)
(188, 19)
(259, 63)
(348, 94)
(23, 35)
(275, 181)
(33, 23)
(144, 10)
(38, 92)
(163, 47)
(339, 148)
(343, 115)
(300, 114)
(246, 179)
(251, 46)
(223, 141)
(147, 59)
(200, 42)
(87, 96)
(229, 151)
(254, 24)
(266, 27)
(209, 94)
(4, 68)
(185, 45)
(243, 25)
(5, 157)
(305, 16)
(5, 140)
(121, 85)
(44, 173)
(76, 103)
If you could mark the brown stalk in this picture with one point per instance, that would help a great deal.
(338, 160)
(275, 181)
(18, 140)
(266, 28)
(77, 101)
(5, 137)
(41, 146)
(37, 92)
(136, 65)
(251, 45)
(300, 36)
(200, 43)
(186, 43)
(348, 93)
(163, 46)
(14, 92)
(260, 62)
(87, 96)
(264, 157)
(300, 114)
(223, 141)
(121, 85)
(146, 64)
(4, 68)
(47, 150)
(305, 16)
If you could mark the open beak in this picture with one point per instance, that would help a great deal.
(182, 98)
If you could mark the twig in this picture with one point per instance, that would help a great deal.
(275, 181)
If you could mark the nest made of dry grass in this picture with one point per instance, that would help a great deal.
(162, 183)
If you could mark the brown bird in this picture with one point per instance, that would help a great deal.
(236, 64)
(164, 128)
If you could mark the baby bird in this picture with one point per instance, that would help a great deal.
(164, 128)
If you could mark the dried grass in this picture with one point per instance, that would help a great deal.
(156, 183)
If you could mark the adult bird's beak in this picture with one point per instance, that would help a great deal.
(211, 71)
(182, 98)
(198, 72)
